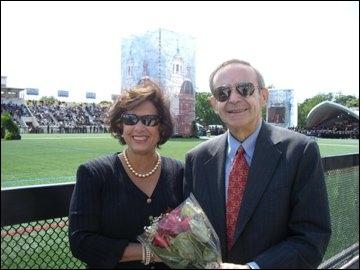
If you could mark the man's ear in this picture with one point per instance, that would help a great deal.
(264, 93)
(213, 103)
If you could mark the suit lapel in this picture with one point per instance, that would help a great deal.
(263, 164)
(215, 169)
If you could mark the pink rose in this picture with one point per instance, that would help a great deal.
(160, 241)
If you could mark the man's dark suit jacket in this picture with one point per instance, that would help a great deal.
(284, 218)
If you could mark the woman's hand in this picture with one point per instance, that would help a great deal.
(133, 252)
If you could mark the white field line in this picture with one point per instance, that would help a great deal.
(331, 144)
(66, 178)
(61, 138)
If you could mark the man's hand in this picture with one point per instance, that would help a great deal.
(234, 266)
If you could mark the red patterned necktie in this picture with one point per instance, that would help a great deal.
(237, 183)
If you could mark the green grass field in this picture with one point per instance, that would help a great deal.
(54, 158)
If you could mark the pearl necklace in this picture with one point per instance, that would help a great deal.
(140, 174)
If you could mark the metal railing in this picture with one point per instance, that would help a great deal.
(34, 227)
(34, 220)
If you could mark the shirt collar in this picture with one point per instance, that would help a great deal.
(248, 145)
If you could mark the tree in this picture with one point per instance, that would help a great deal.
(105, 103)
(48, 100)
(347, 100)
(305, 107)
(204, 113)
(9, 129)
(352, 103)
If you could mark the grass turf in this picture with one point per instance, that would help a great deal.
(54, 158)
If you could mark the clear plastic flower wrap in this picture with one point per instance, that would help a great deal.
(183, 238)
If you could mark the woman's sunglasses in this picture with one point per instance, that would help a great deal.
(149, 120)
(244, 89)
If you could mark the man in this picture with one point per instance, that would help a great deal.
(261, 186)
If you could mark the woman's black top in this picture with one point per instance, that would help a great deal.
(107, 210)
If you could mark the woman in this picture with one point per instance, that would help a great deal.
(115, 196)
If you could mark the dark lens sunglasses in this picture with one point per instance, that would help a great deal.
(148, 120)
(222, 93)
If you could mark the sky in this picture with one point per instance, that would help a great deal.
(311, 47)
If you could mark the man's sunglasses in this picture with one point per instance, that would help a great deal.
(244, 89)
(149, 120)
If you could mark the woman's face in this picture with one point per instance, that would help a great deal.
(140, 138)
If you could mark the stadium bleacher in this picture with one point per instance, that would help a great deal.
(57, 117)
(68, 117)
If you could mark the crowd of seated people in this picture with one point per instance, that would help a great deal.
(15, 110)
(42, 114)
(345, 130)
(97, 113)
(342, 126)
(63, 117)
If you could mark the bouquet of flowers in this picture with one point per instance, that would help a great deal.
(184, 237)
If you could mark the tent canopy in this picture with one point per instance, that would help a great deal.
(328, 110)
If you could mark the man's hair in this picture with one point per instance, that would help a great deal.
(259, 77)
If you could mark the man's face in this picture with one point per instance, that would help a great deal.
(240, 114)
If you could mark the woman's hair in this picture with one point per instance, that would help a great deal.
(146, 90)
